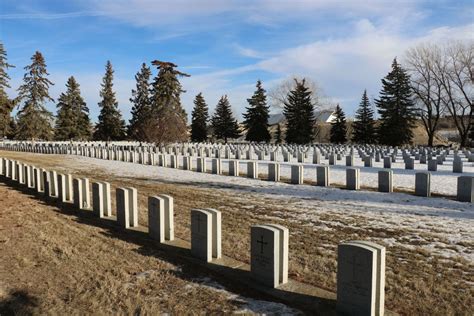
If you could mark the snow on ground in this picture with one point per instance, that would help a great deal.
(441, 226)
(247, 305)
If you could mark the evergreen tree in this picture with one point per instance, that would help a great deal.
(6, 104)
(111, 126)
(339, 127)
(72, 122)
(299, 113)
(223, 123)
(200, 117)
(168, 119)
(278, 136)
(141, 104)
(34, 120)
(396, 108)
(364, 124)
(256, 118)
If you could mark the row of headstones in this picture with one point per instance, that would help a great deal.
(361, 264)
(144, 156)
(465, 184)
(249, 151)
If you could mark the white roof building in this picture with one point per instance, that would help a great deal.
(324, 116)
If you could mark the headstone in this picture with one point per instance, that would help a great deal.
(187, 163)
(86, 193)
(368, 162)
(274, 172)
(284, 245)
(457, 165)
(423, 184)
(432, 165)
(316, 158)
(122, 205)
(465, 190)
(62, 188)
(352, 178)
(101, 201)
(234, 168)
(216, 166)
(77, 193)
(360, 279)
(385, 180)
(216, 232)
(322, 176)
(265, 259)
(252, 169)
(201, 234)
(161, 218)
(297, 174)
(201, 164)
(349, 161)
(409, 164)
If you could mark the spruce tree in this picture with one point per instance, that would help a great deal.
(72, 122)
(339, 127)
(364, 124)
(34, 120)
(223, 123)
(141, 105)
(168, 119)
(256, 118)
(299, 113)
(6, 104)
(396, 108)
(111, 126)
(200, 117)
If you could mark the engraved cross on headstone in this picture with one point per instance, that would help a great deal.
(262, 243)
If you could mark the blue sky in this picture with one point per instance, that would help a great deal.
(343, 46)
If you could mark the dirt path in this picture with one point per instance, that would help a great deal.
(419, 281)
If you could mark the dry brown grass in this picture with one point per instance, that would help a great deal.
(418, 283)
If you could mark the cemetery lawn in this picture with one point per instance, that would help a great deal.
(430, 242)
(55, 263)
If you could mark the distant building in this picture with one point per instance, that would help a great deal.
(324, 116)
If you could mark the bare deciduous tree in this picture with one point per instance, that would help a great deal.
(454, 70)
(279, 93)
(427, 87)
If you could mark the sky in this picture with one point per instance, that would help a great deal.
(226, 45)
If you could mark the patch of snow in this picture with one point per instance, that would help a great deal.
(247, 305)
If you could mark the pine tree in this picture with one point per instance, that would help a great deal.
(396, 108)
(256, 118)
(168, 119)
(200, 117)
(6, 104)
(34, 120)
(223, 123)
(278, 136)
(72, 122)
(141, 104)
(111, 126)
(339, 127)
(364, 124)
(299, 113)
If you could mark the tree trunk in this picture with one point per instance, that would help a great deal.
(430, 139)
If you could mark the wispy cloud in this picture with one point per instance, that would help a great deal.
(50, 15)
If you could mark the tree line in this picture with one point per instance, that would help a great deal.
(436, 81)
